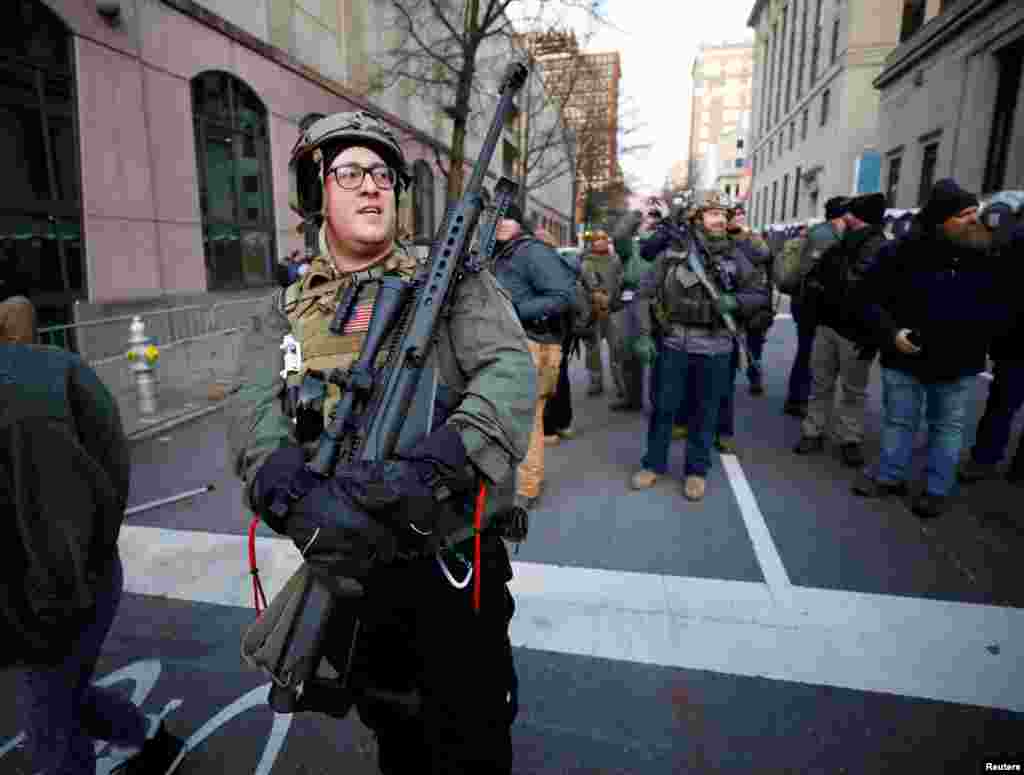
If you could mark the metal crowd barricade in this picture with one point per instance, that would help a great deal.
(106, 339)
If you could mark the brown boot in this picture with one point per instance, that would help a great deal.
(643, 479)
(694, 488)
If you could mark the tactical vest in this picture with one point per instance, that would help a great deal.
(310, 304)
(681, 300)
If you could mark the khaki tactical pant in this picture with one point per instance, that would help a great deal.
(17, 321)
(546, 357)
(835, 357)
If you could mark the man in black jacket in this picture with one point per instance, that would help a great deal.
(541, 287)
(1006, 393)
(837, 353)
(933, 300)
(60, 575)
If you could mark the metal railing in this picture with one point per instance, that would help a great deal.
(107, 338)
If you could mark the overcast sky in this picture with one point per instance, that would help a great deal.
(657, 40)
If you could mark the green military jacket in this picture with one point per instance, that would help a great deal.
(604, 272)
(480, 353)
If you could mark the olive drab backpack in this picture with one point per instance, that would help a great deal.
(581, 309)
(786, 269)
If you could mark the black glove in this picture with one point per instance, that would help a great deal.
(335, 535)
(408, 492)
(272, 480)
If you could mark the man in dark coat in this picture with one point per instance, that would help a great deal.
(933, 301)
(815, 242)
(1006, 393)
(838, 355)
(65, 472)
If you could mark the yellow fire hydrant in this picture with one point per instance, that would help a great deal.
(142, 355)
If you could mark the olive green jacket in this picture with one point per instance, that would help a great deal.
(491, 359)
(604, 272)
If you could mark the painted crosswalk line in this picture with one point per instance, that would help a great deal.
(954, 652)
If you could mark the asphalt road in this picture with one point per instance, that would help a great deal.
(781, 626)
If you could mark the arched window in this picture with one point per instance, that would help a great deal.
(235, 195)
(422, 201)
(40, 199)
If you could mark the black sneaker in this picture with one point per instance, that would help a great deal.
(971, 471)
(869, 487)
(853, 455)
(156, 756)
(756, 389)
(809, 444)
(929, 506)
(795, 409)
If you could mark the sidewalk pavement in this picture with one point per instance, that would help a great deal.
(175, 405)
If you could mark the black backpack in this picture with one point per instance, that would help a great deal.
(581, 311)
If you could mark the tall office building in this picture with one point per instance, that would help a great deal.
(815, 111)
(589, 85)
(952, 96)
(722, 86)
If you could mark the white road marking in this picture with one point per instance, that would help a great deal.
(906, 646)
(764, 547)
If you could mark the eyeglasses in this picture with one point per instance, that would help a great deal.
(351, 176)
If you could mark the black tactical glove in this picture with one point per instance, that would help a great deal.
(335, 535)
(411, 491)
(272, 480)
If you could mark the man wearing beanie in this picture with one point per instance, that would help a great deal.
(933, 301)
(838, 353)
(541, 287)
(818, 240)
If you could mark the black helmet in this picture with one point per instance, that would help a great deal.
(306, 165)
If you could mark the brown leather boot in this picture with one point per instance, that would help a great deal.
(694, 487)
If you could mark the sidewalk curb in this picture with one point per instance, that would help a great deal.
(174, 421)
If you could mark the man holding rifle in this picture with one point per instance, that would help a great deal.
(420, 627)
(700, 281)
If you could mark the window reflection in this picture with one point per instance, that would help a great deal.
(40, 200)
(234, 175)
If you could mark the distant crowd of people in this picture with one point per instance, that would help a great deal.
(688, 298)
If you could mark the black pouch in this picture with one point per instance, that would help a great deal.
(309, 406)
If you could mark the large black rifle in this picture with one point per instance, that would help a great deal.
(371, 419)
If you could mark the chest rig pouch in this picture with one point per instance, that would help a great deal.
(682, 300)
(330, 314)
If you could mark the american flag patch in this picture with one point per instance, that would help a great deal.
(360, 320)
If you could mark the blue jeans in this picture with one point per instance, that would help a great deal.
(800, 374)
(1005, 397)
(671, 371)
(64, 712)
(726, 425)
(902, 396)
